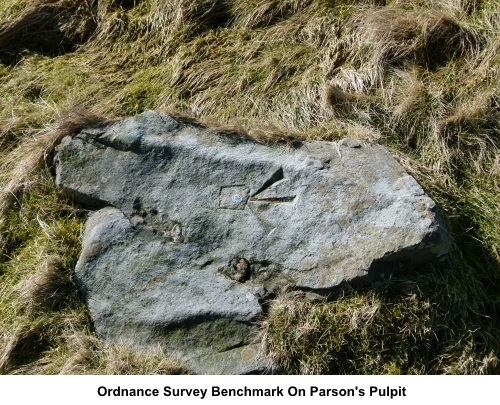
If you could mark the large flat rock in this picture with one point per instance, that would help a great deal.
(195, 229)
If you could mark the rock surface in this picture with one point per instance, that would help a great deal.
(195, 229)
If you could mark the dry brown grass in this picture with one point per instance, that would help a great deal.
(337, 99)
(90, 356)
(401, 36)
(262, 13)
(196, 15)
(28, 341)
(419, 77)
(48, 288)
(83, 353)
(321, 330)
(22, 161)
(43, 27)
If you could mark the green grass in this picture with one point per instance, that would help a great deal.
(426, 86)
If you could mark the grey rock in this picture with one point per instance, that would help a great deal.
(201, 227)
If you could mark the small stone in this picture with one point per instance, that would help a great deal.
(137, 220)
(238, 270)
(313, 162)
(176, 234)
(350, 143)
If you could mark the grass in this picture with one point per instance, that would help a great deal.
(45, 327)
(420, 77)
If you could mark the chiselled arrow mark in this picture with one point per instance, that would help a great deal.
(275, 178)
(276, 199)
(268, 193)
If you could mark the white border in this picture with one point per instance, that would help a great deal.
(421, 390)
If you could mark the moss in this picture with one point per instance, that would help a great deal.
(11, 9)
(23, 221)
(144, 91)
(218, 335)
(143, 8)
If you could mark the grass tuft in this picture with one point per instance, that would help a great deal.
(47, 27)
(23, 160)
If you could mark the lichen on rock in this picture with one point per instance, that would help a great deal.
(200, 230)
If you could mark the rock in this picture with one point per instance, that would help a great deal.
(200, 227)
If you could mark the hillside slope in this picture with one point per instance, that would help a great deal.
(420, 77)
